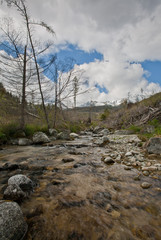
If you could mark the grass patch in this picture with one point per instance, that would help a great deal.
(135, 129)
(30, 129)
(9, 130)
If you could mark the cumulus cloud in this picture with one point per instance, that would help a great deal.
(123, 31)
(119, 79)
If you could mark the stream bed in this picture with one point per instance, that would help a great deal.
(77, 196)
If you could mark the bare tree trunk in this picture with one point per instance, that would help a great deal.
(23, 103)
(36, 65)
(56, 103)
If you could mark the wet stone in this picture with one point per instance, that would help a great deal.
(145, 173)
(69, 203)
(109, 160)
(67, 160)
(59, 182)
(137, 178)
(80, 164)
(127, 168)
(145, 185)
(9, 167)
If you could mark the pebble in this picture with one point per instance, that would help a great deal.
(109, 160)
(127, 168)
(145, 185)
(67, 160)
(151, 168)
(115, 214)
(145, 173)
(137, 178)
(128, 154)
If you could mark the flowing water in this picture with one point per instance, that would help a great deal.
(78, 197)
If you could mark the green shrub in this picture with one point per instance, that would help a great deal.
(3, 138)
(30, 129)
(135, 129)
(9, 130)
(105, 115)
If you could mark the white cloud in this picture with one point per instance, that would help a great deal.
(122, 30)
(118, 78)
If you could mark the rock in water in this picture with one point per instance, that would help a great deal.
(22, 181)
(19, 187)
(145, 185)
(64, 135)
(24, 142)
(105, 132)
(53, 132)
(40, 137)
(103, 141)
(154, 145)
(109, 160)
(12, 223)
(73, 136)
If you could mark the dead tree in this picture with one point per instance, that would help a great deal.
(22, 9)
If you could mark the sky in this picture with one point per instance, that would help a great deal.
(116, 43)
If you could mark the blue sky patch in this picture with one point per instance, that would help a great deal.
(79, 56)
(101, 89)
(154, 68)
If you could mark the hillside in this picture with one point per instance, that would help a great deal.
(135, 115)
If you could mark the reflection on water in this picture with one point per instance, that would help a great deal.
(84, 199)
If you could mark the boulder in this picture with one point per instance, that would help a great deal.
(24, 142)
(19, 187)
(64, 135)
(22, 181)
(73, 136)
(14, 193)
(109, 160)
(104, 141)
(40, 137)
(13, 141)
(97, 129)
(105, 132)
(53, 132)
(12, 223)
(154, 145)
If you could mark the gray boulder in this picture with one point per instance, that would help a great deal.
(24, 142)
(53, 132)
(97, 129)
(14, 193)
(14, 141)
(109, 160)
(40, 137)
(64, 135)
(73, 135)
(12, 223)
(103, 141)
(19, 187)
(105, 132)
(22, 181)
(154, 145)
